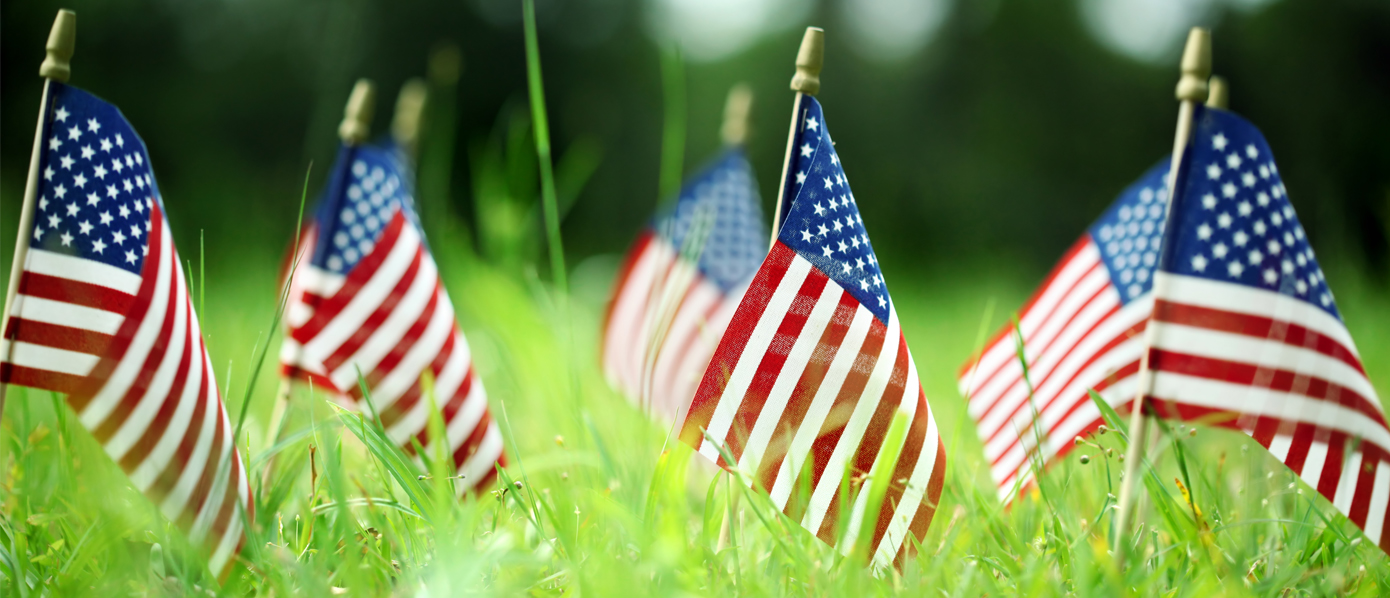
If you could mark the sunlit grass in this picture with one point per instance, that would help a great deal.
(601, 511)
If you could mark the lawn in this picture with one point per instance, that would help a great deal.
(596, 500)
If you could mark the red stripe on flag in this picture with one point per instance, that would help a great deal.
(805, 390)
(1256, 327)
(362, 274)
(176, 465)
(869, 445)
(841, 410)
(927, 510)
(470, 446)
(149, 276)
(907, 461)
(770, 366)
(75, 292)
(732, 344)
(1332, 466)
(79, 340)
(1040, 385)
(42, 379)
(140, 387)
(1277, 380)
(204, 486)
(372, 325)
(393, 358)
(411, 397)
(157, 426)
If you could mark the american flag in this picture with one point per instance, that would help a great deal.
(680, 284)
(1246, 332)
(366, 297)
(814, 367)
(103, 315)
(1082, 330)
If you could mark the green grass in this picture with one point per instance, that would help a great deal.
(601, 510)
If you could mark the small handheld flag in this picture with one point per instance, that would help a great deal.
(102, 314)
(1082, 330)
(368, 302)
(1246, 333)
(680, 284)
(813, 370)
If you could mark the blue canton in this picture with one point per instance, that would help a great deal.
(367, 188)
(1233, 221)
(1130, 233)
(95, 189)
(737, 241)
(822, 222)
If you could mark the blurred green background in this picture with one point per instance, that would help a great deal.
(981, 136)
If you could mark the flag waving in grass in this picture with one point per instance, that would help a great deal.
(1081, 331)
(1246, 332)
(680, 284)
(813, 370)
(103, 315)
(367, 301)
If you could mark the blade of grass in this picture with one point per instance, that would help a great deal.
(542, 131)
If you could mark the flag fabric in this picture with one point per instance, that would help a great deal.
(680, 284)
(1082, 330)
(813, 369)
(1247, 334)
(366, 300)
(103, 315)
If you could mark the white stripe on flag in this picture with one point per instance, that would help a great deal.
(1259, 303)
(146, 334)
(763, 333)
(137, 423)
(390, 332)
(40, 357)
(63, 313)
(146, 473)
(79, 269)
(192, 469)
(829, 388)
(857, 425)
(802, 350)
(1380, 498)
(406, 374)
(350, 319)
(1242, 398)
(1272, 353)
(899, 525)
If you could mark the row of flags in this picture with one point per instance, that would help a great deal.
(786, 365)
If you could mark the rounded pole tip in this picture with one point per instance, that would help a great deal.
(1218, 92)
(809, 60)
(62, 39)
(357, 117)
(410, 107)
(736, 109)
(1196, 66)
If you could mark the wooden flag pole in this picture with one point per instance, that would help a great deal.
(410, 110)
(1218, 93)
(62, 40)
(806, 82)
(355, 128)
(1191, 90)
(737, 106)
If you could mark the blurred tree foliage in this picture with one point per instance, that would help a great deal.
(1001, 139)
